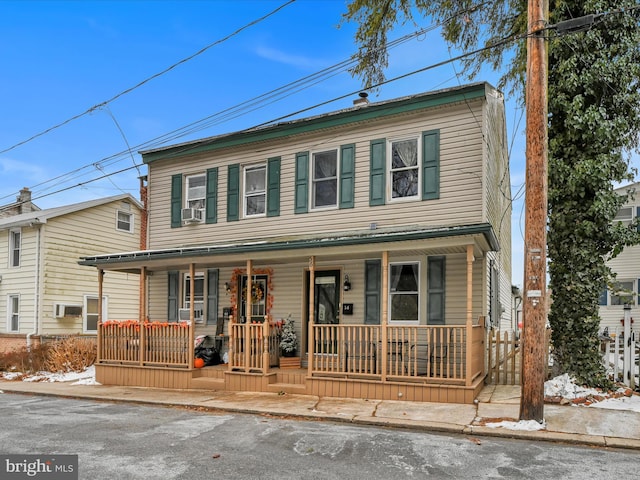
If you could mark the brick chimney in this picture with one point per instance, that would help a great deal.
(24, 201)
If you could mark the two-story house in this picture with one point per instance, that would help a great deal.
(43, 290)
(382, 230)
(626, 266)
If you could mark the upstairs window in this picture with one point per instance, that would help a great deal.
(196, 191)
(124, 221)
(404, 170)
(324, 190)
(622, 293)
(624, 215)
(255, 192)
(15, 240)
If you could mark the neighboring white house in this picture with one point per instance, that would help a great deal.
(627, 269)
(43, 290)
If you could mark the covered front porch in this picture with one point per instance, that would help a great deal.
(345, 357)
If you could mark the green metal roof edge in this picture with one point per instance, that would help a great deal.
(264, 246)
(328, 120)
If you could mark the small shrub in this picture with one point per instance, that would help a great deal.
(73, 354)
(25, 361)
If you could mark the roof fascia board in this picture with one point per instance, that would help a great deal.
(330, 120)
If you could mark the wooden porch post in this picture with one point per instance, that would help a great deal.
(312, 294)
(142, 315)
(469, 352)
(384, 319)
(247, 319)
(100, 319)
(142, 339)
(192, 323)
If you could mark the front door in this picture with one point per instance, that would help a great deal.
(326, 297)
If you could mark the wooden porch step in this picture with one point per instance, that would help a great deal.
(207, 383)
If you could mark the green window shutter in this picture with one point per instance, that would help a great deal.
(378, 172)
(638, 216)
(172, 294)
(176, 201)
(347, 175)
(435, 290)
(372, 287)
(301, 201)
(431, 165)
(211, 210)
(233, 193)
(273, 187)
(212, 296)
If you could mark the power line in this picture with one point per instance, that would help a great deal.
(184, 60)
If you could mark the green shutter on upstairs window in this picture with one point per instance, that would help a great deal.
(176, 201)
(233, 193)
(211, 209)
(638, 217)
(347, 175)
(172, 295)
(431, 165)
(602, 300)
(212, 296)
(378, 172)
(302, 183)
(372, 288)
(273, 187)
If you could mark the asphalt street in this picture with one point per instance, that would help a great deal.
(125, 441)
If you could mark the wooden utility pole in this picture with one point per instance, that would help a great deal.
(535, 262)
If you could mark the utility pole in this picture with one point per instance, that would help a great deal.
(535, 263)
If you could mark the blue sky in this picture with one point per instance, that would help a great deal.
(61, 58)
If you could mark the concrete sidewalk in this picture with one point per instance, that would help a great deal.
(564, 423)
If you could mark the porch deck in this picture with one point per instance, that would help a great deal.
(417, 363)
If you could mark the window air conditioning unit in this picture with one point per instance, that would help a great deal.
(191, 215)
(198, 314)
(64, 310)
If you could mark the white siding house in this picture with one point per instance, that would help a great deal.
(43, 289)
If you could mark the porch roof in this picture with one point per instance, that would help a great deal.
(480, 235)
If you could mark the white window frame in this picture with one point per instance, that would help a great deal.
(118, 221)
(618, 295)
(13, 249)
(391, 294)
(85, 312)
(11, 313)
(196, 197)
(254, 192)
(391, 170)
(315, 181)
(198, 300)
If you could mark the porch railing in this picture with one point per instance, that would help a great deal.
(419, 352)
(254, 347)
(130, 342)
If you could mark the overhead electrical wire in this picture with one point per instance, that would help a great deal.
(171, 67)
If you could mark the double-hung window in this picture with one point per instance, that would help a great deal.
(404, 169)
(91, 313)
(624, 215)
(15, 240)
(124, 221)
(622, 293)
(196, 191)
(404, 292)
(324, 190)
(198, 295)
(13, 313)
(255, 191)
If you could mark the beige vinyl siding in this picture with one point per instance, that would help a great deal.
(19, 280)
(461, 190)
(69, 237)
(627, 267)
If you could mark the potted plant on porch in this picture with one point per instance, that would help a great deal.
(289, 346)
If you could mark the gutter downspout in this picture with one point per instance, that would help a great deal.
(36, 289)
